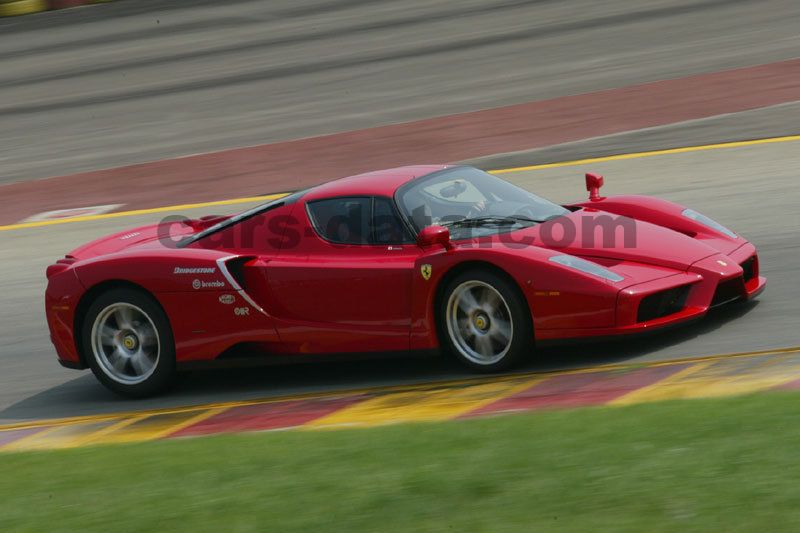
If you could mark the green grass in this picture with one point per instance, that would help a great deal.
(722, 465)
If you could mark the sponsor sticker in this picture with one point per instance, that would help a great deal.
(200, 284)
(227, 299)
(194, 270)
(241, 311)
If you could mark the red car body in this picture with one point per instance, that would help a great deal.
(272, 284)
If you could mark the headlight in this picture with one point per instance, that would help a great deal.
(586, 266)
(704, 220)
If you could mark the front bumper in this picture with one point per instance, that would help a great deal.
(711, 282)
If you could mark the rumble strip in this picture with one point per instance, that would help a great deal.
(714, 376)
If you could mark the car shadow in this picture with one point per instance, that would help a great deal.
(85, 396)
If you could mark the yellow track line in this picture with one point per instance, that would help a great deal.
(710, 380)
(98, 436)
(618, 157)
(394, 388)
(426, 405)
(642, 394)
(151, 428)
(120, 214)
(651, 153)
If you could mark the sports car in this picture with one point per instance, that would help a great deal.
(431, 258)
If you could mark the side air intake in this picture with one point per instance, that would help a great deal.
(662, 303)
(233, 270)
(236, 270)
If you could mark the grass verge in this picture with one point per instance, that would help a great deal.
(726, 464)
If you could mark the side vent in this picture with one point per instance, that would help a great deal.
(233, 269)
(688, 233)
(236, 270)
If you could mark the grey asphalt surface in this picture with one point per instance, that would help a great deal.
(136, 81)
(774, 121)
(752, 189)
(142, 80)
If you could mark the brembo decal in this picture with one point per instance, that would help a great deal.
(200, 284)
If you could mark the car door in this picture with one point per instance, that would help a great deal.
(346, 285)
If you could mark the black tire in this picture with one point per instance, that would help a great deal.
(514, 310)
(160, 372)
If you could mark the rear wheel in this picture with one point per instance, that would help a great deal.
(484, 321)
(128, 343)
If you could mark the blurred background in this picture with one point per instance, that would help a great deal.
(147, 104)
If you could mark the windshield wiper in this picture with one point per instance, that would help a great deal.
(489, 220)
(522, 218)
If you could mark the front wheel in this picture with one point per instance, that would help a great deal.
(128, 343)
(485, 321)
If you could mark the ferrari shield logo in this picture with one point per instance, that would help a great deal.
(426, 271)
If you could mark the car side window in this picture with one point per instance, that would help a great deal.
(387, 228)
(358, 220)
(342, 220)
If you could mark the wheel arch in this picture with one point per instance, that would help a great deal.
(464, 266)
(89, 297)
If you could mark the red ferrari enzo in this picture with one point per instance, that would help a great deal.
(413, 258)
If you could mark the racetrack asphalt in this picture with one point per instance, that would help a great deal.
(751, 189)
(144, 80)
(102, 87)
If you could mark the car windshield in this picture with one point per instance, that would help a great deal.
(472, 203)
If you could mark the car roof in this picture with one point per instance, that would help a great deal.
(375, 183)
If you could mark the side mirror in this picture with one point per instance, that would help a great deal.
(434, 235)
(593, 184)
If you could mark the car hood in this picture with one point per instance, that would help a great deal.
(596, 234)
